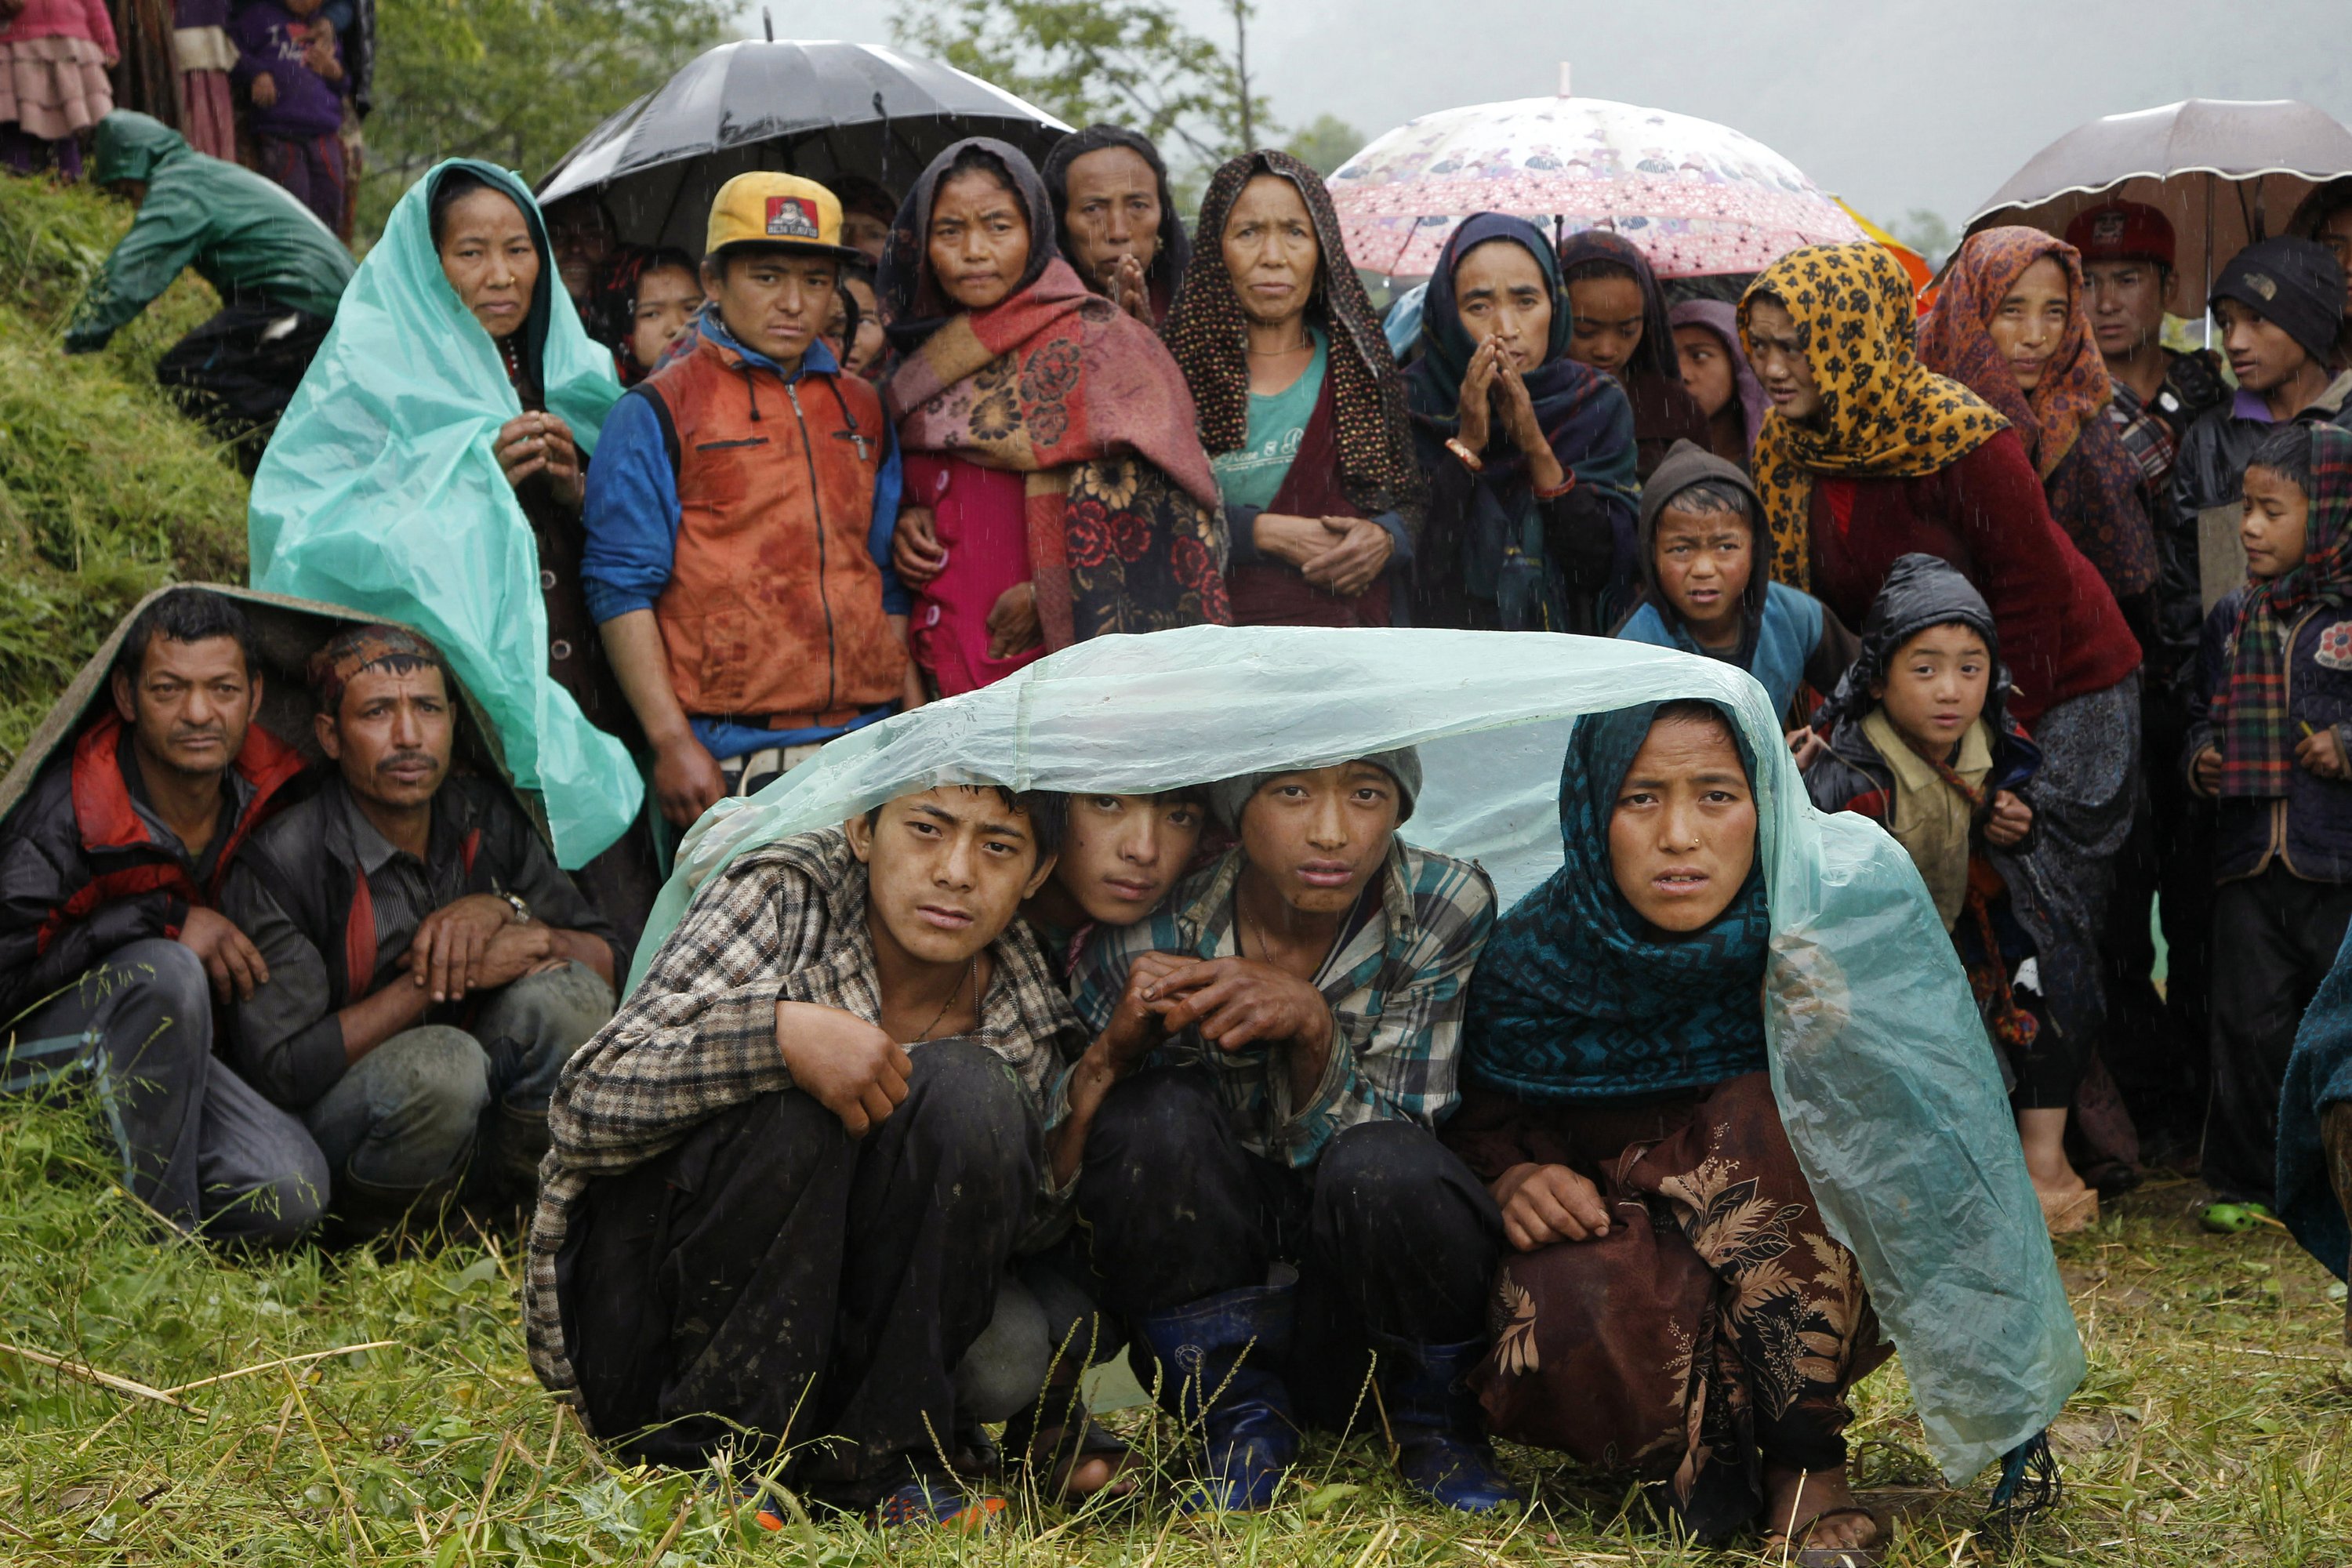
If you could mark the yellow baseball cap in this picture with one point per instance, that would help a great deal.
(767, 208)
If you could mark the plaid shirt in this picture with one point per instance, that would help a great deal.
(2146, 436)
(1397, 986)
(783, 922)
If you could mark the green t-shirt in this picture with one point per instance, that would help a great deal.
(1252, 473)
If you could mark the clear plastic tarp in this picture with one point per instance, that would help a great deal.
(1884, 1077)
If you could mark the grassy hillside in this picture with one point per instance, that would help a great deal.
(105, 491)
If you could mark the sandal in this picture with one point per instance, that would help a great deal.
(1779, 1549)
(2236, 1219)
(936, 1501)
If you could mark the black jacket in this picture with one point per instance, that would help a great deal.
(301, 893)
(2192, 384)
(82, 872)
(2212, 469)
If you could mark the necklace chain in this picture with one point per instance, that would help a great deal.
(968, 965)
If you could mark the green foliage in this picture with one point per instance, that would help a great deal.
(106, 491)
(1131, 62)
(1326, 145)
(515, 82)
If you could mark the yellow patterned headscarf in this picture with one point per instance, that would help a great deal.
(1883, 415)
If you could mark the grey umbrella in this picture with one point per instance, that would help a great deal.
(2225, 173)
(813, 109)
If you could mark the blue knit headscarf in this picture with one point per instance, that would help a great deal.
(1580, 997)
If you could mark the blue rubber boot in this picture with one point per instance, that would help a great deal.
(1213, 1363)
(1436, 1425)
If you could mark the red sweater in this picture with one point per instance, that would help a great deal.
(2061, 635)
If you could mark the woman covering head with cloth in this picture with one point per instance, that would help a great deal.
(1055, 488)
(1869, 457)
(1621, 327)
(1674, 1297)
(2008, 324)
(1529, 454)
(429, 472)
(1117, 219)
(1299, 403)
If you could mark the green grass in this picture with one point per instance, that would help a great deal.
(105, 491)
(2213, 1428)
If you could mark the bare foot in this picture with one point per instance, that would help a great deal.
(1797, 1506)
(1090, 1473)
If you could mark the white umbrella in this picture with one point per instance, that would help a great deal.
(1698, 198)
(2225, 173)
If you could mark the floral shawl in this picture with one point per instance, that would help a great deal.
(1883, 415)
(2093, 483)
(1056, 383)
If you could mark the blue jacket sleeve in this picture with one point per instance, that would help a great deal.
(1241, 525)
(889, 482)
(631, 518)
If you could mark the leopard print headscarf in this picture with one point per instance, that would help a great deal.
(1883, 415)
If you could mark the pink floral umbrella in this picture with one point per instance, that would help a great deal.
(1698, 197)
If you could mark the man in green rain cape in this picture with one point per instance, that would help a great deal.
(277, 269)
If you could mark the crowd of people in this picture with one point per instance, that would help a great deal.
(279, 87)
(909, 1121)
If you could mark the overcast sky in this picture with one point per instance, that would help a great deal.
(1893, 104)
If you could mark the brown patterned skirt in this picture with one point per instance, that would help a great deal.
(1714, 1330)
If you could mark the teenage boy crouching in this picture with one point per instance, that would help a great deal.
(788, 1178)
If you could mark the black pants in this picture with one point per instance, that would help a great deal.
(772, 1281)
(200, 1146)
(1390, 1232)
(237, 371)
(2274, 939)
(2159, 1054)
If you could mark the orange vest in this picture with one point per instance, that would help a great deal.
(773, 610)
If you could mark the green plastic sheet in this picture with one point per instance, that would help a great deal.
(1884, 1077)
(379, 491)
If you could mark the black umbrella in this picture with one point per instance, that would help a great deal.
(813, 109)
